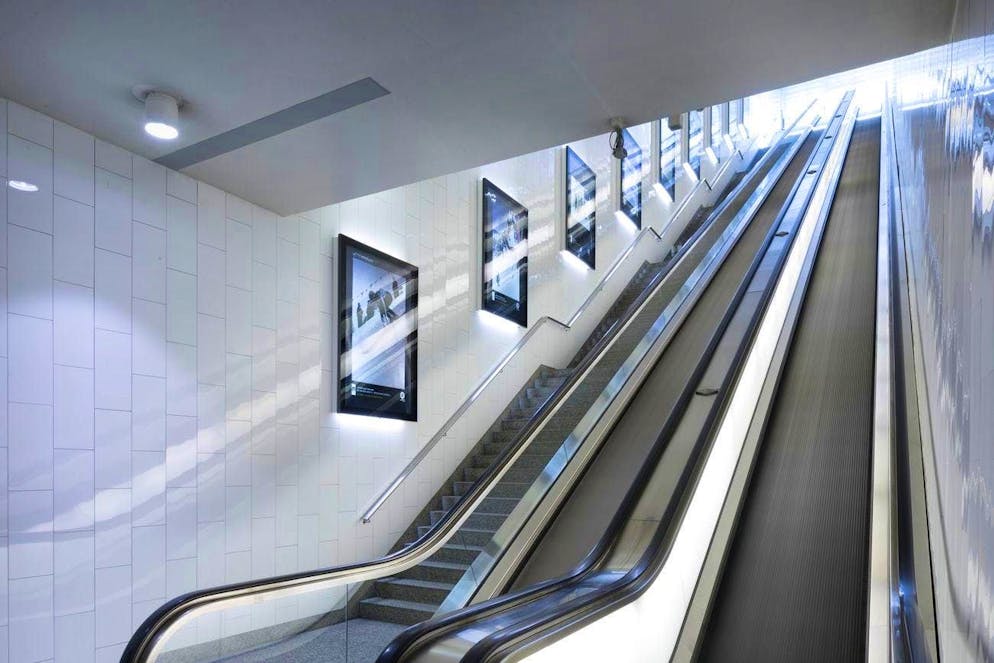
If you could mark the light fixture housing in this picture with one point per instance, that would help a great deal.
(161, 115)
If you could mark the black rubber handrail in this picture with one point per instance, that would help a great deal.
(574, 614)
(399, 649)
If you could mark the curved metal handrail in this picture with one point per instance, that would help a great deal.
(496, 370)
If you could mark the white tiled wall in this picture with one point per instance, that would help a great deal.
(167, 355)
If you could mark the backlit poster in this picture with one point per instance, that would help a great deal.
(378, 300)
(505, 255)
(631, 180)
(581, 208)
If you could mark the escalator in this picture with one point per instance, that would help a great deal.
(793, 587)
(611, 537)
(371, 601)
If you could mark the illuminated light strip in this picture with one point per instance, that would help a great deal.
(881, 597)
(650, 625)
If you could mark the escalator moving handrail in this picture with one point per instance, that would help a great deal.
(573, 614)
(410, 637)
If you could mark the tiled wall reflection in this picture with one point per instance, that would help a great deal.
(944, 127)
(166, 356)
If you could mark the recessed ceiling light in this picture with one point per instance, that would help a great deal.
(21, 185)
(161, 115)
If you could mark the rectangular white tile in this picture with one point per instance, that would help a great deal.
(263, 359)
(112, 352)
(310, 250)
(263, 422)
(29, 272)
(73, 325)
(263, 486)
(149, 192)
(181, 523)
(113, 609)
(263, 295)
(238, 209)
(74, 489)
(238, 321)
(263, 547)
(181, 451)
(149, 264)
(210, 216)
(181, 307)
(237, 454)
(181, 576)
(263, 236)
(210, 418)
(148, 552)
(181, 379)
(3, 206)
(210, 557)
(148, 420)
(113, 212)
(30, 124)
(73, 407)
(287, 271)
(210, 350)
(29, 368)
(31, 626)
(288, 228)
(288, 332)
(210, 487)
(75, 637)
(148, 341)
(113, 158)
(31, 447)
(238, 388)
(239, 254)
(181, 186)
(112, 292)
(181, 236)
(148, 488)
(74, 156)
(286, 455)
(30, 163)
(73, 258)
(31, 515)
(238, 518)
(310, 368)
(210, 280)
(113, 449)
(74, 572)
(112, 544)
(286, 515)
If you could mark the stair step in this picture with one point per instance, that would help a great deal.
(488, 505)
(418, 591)
(502, 489)
(435, 571)
(526, 460)
(466, 535)
(476, 520)
(395, 610)
(459, 553)
(518, 474)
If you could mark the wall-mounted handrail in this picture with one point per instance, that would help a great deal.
(499, 366)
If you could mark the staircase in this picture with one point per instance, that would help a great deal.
(415, 594)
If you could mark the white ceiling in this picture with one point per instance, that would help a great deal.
(471, 82)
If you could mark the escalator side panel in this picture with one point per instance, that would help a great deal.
(794, 583)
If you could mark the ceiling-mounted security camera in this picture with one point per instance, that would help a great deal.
(617, 142)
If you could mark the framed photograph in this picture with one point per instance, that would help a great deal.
(505, 255)
(581, 208)
(695, 140)
(378, 339)
(631, 180)
(669, 156)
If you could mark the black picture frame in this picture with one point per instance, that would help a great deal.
(505, 255)
(377, 289)
(631, 180)
(581, 209)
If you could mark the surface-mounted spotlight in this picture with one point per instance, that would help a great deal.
(161, 118)
(21, 185)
